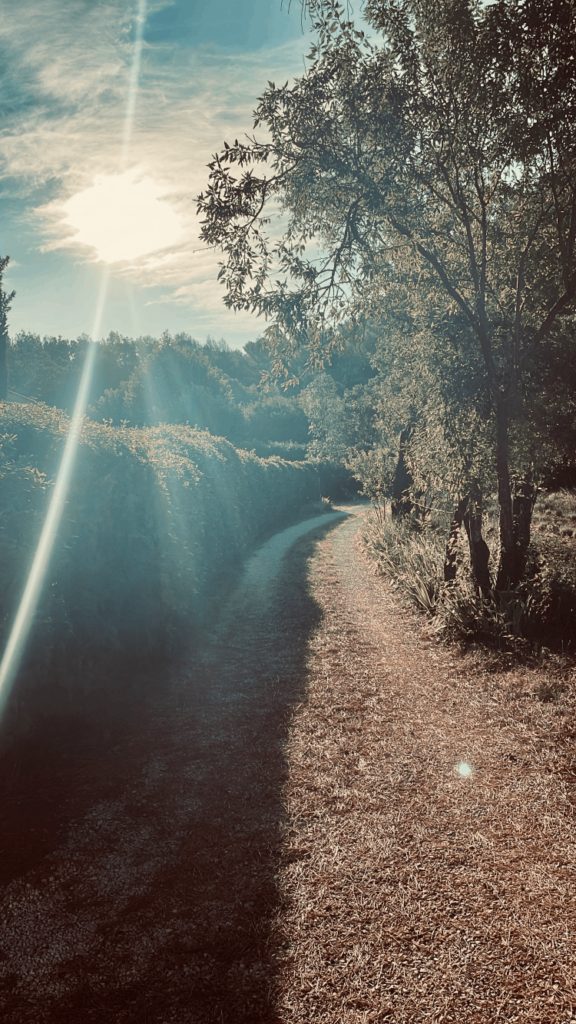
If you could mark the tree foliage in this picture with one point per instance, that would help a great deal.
(426, 181)
(5, 303)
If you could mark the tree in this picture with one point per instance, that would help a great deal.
(432, 172)
(325, 410)
(5, 303)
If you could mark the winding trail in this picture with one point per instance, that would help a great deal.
(285, 836)
(413, 893)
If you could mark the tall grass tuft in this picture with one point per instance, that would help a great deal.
(539, 612)
(409, 558)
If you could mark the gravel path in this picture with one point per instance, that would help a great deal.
(286, 837)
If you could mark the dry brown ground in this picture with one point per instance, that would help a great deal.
(285, 838)
(150, 871)
(412, 893)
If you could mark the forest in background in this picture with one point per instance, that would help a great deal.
(174, 379)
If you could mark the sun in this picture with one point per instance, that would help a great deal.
(123, 218)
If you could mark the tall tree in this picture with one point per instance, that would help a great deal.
(5, 302)
(435, 170)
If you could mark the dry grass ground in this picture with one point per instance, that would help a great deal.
(149, 876)
(284, 837)
(412, 893)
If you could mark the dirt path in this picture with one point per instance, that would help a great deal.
(287, 837)
(416, 894)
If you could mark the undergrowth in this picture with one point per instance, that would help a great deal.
(540, 613)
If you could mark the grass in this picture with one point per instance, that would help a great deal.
(539, 614)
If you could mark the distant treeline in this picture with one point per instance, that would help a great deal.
(175, 379)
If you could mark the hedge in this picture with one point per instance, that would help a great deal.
(155, 518)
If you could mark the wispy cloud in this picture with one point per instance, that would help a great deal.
(64, 99)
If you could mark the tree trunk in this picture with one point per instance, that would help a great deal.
(507, 570)
(522, 508)
(450, 559)
(479, 551)
(401, 504)
(515, 514)
(3, 369)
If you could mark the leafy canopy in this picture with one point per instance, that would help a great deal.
(435, 166)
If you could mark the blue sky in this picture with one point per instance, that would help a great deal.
(65, 68)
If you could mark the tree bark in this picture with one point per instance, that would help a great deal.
(479, 551)
(515, 513)
(507, 570)
(401, 504)
(450, 559)
(522, 509)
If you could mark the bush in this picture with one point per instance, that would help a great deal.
(154, 519)
(541, 611)
(409, 558)
(274, 418)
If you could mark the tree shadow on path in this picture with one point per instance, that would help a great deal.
(172, 887)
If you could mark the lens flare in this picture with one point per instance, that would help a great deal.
(29, 601)
(464, 769)
(28, 604)
(134, 81)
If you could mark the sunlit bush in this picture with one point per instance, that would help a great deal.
(156, 518)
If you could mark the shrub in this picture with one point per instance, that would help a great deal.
(154, 519)
(540, 611)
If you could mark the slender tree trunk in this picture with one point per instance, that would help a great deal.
(479, 551)
(507, 570)
(401, 504)
(522, 509)
(515, 512)
(3, 368)
(450, 559)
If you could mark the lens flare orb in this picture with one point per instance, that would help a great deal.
(464, 769)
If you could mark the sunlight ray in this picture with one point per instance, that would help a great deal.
(29, 601)
(133, 85)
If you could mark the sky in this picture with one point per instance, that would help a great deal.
(97, 176)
